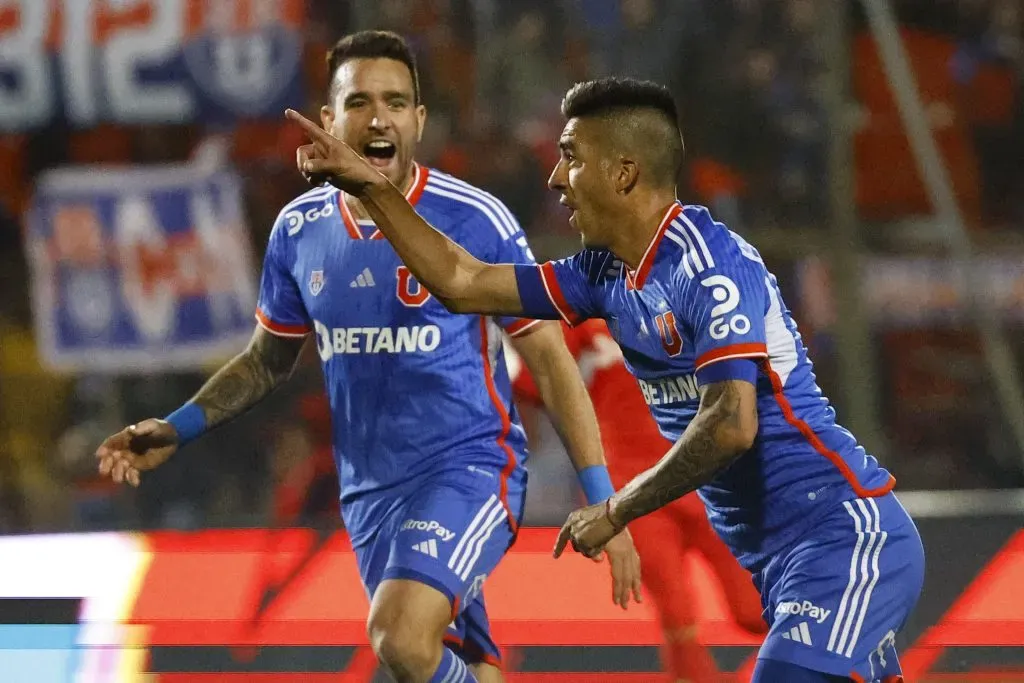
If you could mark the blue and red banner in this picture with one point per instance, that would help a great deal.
(139, 269)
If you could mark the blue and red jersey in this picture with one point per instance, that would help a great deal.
(699, 308)
(414, 390)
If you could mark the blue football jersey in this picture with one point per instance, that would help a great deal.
(414, 390)
(700, 303)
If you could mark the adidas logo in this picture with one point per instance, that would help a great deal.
(364, 279)
(800, 634)
(429, 547)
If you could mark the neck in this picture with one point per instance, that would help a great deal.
(357, 208)
(635, 230)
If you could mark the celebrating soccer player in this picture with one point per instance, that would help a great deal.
(429, 448)
(702, 325)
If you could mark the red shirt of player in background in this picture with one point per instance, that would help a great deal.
(632, 444)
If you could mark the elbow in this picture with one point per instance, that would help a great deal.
(745, 439)
(457, 295)
(739, 437)
(453, 292)
(454, 304)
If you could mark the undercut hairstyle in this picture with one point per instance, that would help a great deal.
(372, 45)
(644, 120)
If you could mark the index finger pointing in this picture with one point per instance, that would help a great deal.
(563, 538)
(315, 132)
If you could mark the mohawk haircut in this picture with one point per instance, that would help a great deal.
(372, 45)
(645, 116)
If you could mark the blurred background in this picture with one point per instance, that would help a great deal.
(874, 156)
(116, 308)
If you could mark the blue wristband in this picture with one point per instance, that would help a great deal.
(189, 421)
(596, 483)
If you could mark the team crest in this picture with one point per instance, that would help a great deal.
(245, 67)
(316, 282)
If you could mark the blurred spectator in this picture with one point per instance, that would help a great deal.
(748, 77)
(306, 481)
(94, 413)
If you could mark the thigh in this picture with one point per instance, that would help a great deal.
(837, 601)
(450, 536)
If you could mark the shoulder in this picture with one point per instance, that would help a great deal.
(710, 246)
(598, 265)
(308, 208)
(463, 203)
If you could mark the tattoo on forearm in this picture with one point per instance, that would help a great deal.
(247, 378)
(691, 463)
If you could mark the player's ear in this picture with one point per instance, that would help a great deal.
(327, 118)
(628, 175)
(421, 121)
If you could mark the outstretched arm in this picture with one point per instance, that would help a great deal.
(247, 378)
(461, 282)
(240, 384)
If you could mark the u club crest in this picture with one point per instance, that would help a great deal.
(316, 282)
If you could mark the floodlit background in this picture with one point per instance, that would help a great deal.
(873, 151)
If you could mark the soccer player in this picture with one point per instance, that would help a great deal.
(703, 328)
(429, 448)
(632, 443)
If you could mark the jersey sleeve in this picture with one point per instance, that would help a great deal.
(279, 308)
(559, 290)
(725, 308)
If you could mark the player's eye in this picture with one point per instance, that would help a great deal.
(397, 105)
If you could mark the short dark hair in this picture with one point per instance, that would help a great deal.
(606, 95)
(659, 136)
(373, 45)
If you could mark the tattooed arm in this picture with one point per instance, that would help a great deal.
(724, 428)
(244, 381)
(248, 377)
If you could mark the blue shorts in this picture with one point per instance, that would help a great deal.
(450, 534)
(836, 599)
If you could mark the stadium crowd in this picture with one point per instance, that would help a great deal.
(748, 75)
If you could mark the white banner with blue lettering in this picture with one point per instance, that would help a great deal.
(140, 269)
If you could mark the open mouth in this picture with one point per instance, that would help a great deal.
(380, 152)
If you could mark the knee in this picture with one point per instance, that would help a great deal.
(410, 654)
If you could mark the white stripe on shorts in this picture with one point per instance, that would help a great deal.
(864, 575)
(493, 520)
(475, 528)
(883, 535)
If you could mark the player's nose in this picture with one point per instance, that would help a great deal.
(381, 119)
(555, 180)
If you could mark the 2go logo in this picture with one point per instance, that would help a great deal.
(725, 291)
(294, 220)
